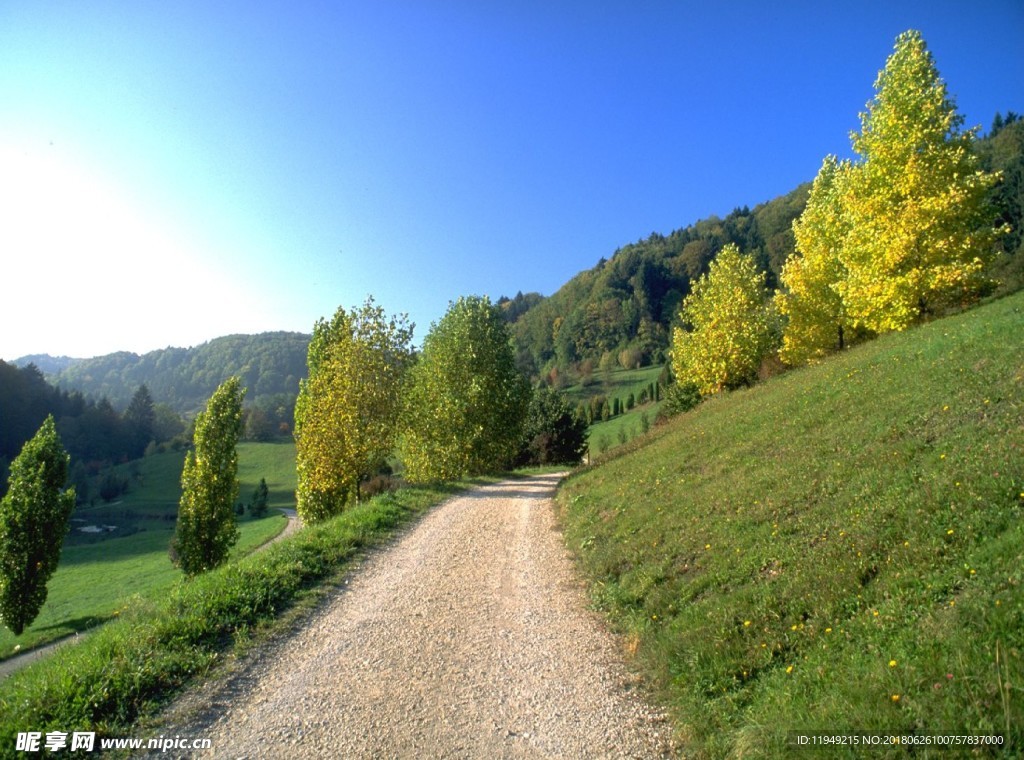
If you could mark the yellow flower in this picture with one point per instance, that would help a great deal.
(828, 630)
(895, 697)
(789, 669)
(746, 623)
(892, 663)
(950, 531)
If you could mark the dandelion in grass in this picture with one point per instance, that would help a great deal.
(892, 663)
(895, 697)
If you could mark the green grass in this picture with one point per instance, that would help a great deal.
(130, 667)
(97, 573)
(838, 549)
(613, 383)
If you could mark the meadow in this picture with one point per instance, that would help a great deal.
(617, 383)
(838, 549)
(100, 572)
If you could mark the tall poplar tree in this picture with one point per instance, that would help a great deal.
(730, 330)
(817, 323)
(206, 528)
(467, 401)
(920, 227)
(34, 517)
(347, 412)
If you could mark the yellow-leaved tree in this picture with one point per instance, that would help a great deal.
(920, 229)
(347, 411)
(730, 326)
(816, 319)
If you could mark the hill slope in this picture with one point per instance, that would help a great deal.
(840, 548)
(269, 364)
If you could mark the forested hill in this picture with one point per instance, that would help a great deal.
(270, 365)
(620, 312)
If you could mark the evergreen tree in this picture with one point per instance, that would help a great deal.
(260, 497)
(140, 420)
(34, 518)
(206, 528)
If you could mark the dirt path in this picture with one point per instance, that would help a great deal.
(469, 637)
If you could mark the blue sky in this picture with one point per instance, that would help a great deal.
(172, 172)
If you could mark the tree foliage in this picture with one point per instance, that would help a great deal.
(206, 528)
(466, 401)
(347, 412)
(552, 433)
(34, 519)
(817, 322)
(730, 327)
(917, 207)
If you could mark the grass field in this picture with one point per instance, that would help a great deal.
(617, 383)
(839, 549)
(99, 572)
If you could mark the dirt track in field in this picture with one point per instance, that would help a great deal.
(467, 637)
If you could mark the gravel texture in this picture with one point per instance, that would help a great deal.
(467, 637)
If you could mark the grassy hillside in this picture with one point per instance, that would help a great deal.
(838, 549)
(98, 572)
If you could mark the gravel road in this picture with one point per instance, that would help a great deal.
(467, 637)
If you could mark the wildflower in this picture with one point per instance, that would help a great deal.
(950, 531)
(892, 663)
(828, 630)
(789, 669)
(746, 623)
(895, 697)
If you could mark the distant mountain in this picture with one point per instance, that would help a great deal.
(48, 365)
(270, 365)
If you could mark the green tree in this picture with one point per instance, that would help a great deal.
(260, 497)
(34, 517)
(140, 420)
(730, 330)
(920, 229)
(206, 528)
(552, 432)
(816, 319)
(348, 409)
(466, 400)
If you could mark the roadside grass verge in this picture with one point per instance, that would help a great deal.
(840, 549)
(134, 664)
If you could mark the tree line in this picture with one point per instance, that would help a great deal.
(93, 432)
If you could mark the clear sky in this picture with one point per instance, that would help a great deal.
(175, 171)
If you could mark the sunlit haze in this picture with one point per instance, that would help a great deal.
(170, 173)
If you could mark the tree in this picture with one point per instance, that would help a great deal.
(552, 433)
(260, 497)
(140, 420)
(920, 230)
(817, 322)
(34, 518)
(347, 412)
(730, 327)
(206, 528)
(467, 400)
